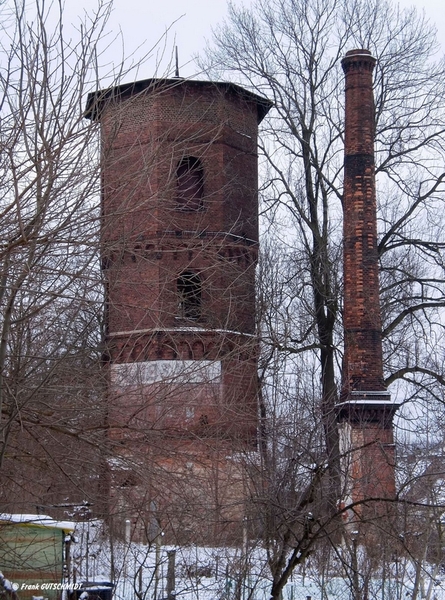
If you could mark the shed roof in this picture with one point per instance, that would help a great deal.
(36, 521)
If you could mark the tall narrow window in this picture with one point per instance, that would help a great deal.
(189, 184)
(189, 291)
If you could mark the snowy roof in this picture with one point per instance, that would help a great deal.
(37, 520)
(369, 398)
(181, 330)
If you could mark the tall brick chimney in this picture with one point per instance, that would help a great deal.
(366, 411)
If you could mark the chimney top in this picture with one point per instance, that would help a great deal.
(359, 51)
(359, 57)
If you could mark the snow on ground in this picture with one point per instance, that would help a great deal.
(140, 572)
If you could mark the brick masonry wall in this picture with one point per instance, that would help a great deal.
(368, 459)
(173, 426)
(363, 368)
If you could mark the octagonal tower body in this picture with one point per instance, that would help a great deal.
(179, 248)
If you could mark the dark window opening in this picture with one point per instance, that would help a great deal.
(190, 184)
(189, 290)
(203, 420)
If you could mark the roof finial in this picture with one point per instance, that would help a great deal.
(177, 62)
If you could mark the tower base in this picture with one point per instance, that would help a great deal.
(367, 454)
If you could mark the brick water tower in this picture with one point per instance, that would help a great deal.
(179, 242)
(366, 411)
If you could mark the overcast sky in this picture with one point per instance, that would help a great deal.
(190, 23)
(144, 21)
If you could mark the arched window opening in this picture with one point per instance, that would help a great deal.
(190, 184)
(189, 291)
(198, 350)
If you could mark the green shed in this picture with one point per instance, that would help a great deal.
(33, 554)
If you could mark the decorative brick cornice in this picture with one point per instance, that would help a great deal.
(358, 60)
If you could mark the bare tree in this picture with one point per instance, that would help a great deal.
(290, 50)
(61, 415)
(51, 290)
